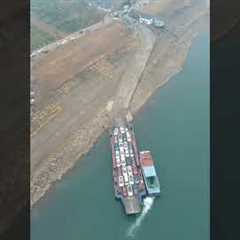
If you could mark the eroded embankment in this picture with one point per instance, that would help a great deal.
(129, 66)
(77, 86)
(169, 53)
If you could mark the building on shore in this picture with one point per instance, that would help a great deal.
(147, 19)
(158, 23)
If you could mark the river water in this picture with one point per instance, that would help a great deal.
(174, 125)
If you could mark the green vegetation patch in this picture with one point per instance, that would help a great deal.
(39, 38)
(66, 15)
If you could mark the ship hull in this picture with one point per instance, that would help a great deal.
(134, 175)
(128, 180)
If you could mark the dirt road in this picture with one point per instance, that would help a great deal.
(131, 76)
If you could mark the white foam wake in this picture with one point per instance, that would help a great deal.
(147, 205)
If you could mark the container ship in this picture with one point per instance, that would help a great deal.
(134, 175)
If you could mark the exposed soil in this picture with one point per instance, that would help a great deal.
(75, 85)
(83, 84)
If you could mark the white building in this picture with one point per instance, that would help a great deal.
(146, 20)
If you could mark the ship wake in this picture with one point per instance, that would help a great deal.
(147, 205)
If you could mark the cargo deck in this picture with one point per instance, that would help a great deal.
(134, 175)
(127, 175)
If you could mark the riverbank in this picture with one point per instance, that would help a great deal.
(174, 125)
(59, 141)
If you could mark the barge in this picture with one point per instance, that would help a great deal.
(133, 177)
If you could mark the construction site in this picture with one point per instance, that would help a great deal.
(80, 83)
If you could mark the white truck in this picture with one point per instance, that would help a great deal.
(120, 181)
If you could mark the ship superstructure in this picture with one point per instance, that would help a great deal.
(149, 173)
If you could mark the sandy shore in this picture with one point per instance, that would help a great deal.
(113, 68)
